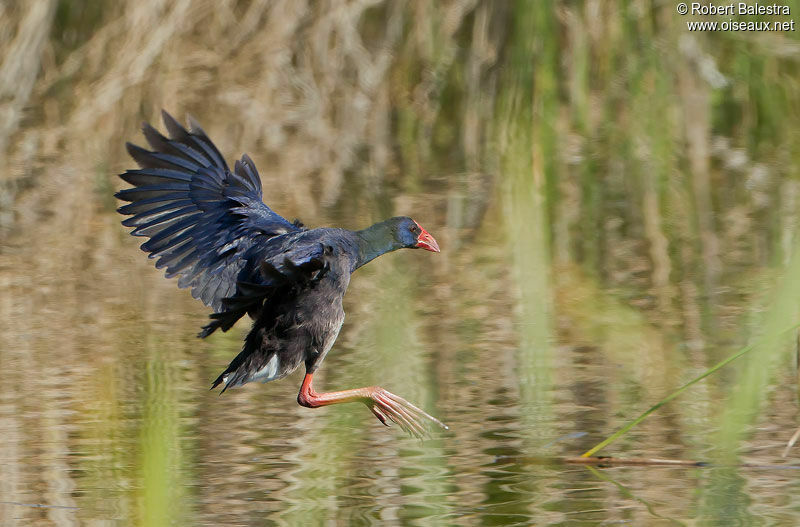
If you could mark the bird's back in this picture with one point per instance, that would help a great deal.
(298, 324)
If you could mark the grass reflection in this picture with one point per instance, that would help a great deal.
(763, 364)
(525, 150)
(162, 493)
(602, 476)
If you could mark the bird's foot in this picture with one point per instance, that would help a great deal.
(390, 407)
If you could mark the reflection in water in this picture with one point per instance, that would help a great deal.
(616, 202)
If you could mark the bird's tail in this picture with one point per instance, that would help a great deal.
(219, 381)
(252, 365)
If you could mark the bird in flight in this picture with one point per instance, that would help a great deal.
(209, 227)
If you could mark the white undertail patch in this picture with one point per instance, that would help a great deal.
(269, 371)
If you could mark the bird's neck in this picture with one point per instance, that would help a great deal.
(373, 242)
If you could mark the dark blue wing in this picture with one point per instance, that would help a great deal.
(205, 223)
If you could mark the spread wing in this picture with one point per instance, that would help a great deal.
(206, 225)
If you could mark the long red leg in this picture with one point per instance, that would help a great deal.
(382, 403)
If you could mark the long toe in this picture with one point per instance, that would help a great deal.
(407, 422)
(419, 412)
(411, 419)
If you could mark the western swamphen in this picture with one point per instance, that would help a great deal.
(209, 227)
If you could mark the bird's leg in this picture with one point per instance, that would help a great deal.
(382, 403)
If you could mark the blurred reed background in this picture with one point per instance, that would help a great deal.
(617, 203)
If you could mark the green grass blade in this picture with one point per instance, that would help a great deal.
(622, 431)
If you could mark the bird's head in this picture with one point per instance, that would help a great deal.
(389, 235)
(411, 235)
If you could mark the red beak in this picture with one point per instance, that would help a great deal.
(426, 241)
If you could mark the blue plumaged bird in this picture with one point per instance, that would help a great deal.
(208, 226)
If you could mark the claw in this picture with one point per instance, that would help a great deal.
(379, 415)
(419, 411)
